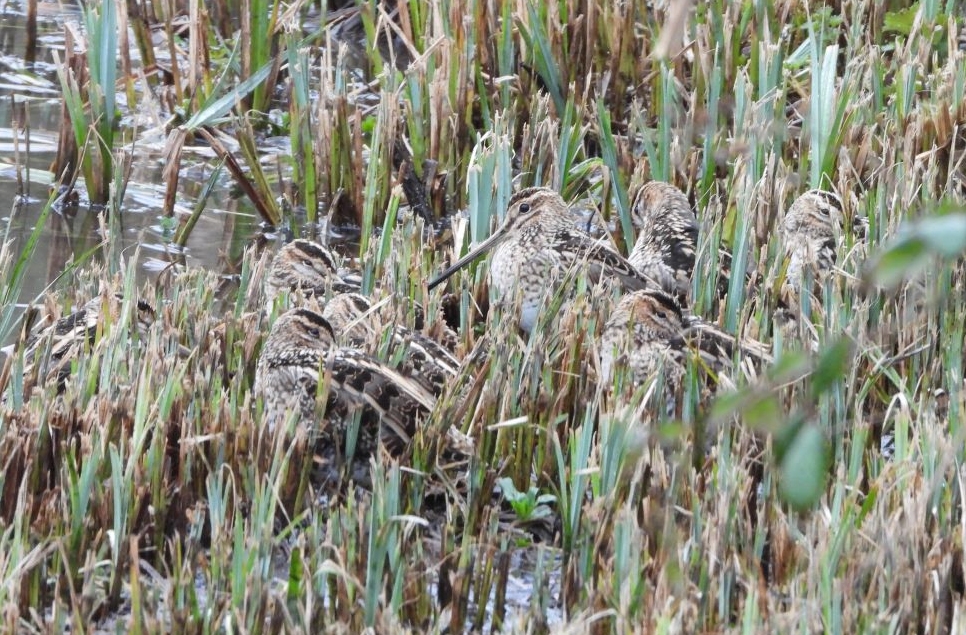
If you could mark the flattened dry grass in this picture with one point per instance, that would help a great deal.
(148, 493)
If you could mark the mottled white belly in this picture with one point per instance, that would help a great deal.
(524, 285)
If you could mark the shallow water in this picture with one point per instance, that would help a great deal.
(29, 92)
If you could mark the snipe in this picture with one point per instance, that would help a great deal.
(645, 334)
(648, 334)
(809, 234)
(306, 267)
(667, 237)
(535, 249)
(360, 325)
(50, 348)
(303, 373)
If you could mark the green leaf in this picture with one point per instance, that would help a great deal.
(804, 469)
(831, 366)
(901, 21)
(538, 42)
(916, 245)
(608, 150)
(758, 409)
(510, 492)
(211, 111)
(763, 413)
(868, 505)
(544, 499)
(944, 235)
(899, 261)
(296, 572)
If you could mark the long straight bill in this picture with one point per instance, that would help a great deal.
(472, 255)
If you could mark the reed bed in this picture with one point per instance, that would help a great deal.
(144, 495)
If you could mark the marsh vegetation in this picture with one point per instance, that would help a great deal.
(823, 494)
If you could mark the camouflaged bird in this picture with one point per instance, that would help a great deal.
(667, 237)
(644, 335)
(537, 247)
(51, 348)
(306, 267)
(309, 270)
(421, 358)
(809, 234)
(302, 373)
(648, 334)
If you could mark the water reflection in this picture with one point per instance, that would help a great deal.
(30, 113)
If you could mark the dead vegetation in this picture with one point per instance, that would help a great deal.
(145, 490)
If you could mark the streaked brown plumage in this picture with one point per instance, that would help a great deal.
(667, 241)
(309, 270)
(307, 267)
(647, 333)
(809, 238)
(667, 237)
(421, 358)
(535, 249)
(809, 234)
(49, 349)
(299, 355)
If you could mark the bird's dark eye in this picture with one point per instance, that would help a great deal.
(524, 208)
(314, 332)
(662, 315)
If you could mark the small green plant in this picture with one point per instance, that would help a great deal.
(529, 505)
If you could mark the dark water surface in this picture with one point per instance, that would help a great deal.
(30, 94)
